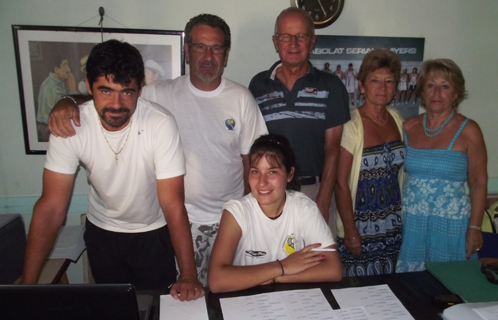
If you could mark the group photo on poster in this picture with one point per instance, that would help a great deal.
(342, 56)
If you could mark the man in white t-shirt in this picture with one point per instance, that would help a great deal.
(131, 150)
(218, 121)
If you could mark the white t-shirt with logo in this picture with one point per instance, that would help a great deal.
(216, 128)
(265, 240)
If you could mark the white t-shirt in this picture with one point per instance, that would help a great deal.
(122, 197)
(264, 240)
(216, 128)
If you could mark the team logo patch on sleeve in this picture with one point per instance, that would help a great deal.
(230, 124)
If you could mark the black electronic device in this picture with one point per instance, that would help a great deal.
(447, 300)
(73, 301)
(12, 247)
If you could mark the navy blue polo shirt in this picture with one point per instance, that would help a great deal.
(318, 101)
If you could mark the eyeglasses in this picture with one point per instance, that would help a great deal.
(300, 37)
(201, 48)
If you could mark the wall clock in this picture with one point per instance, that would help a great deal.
(323, 12)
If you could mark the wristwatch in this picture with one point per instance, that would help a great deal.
(322, 12)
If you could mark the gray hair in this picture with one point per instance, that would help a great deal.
(208, 20)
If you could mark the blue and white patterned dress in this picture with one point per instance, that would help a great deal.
(377, 212)
(436, 208)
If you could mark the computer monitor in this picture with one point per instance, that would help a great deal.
(73, 301)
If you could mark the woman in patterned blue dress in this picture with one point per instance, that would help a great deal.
(370, 173)
(444, 150)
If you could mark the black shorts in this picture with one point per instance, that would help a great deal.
(144, 259)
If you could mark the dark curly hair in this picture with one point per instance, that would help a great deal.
(118, 60)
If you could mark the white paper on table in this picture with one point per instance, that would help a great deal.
(379, 301)
(472, 311)
(293, 304)
(69, 243)
(171, 309)
(489, 312)
(356, 313)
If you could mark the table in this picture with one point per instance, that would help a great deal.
(413, 289)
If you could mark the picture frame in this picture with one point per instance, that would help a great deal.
(51, 63)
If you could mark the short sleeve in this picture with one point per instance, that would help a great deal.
(169, 159)
(313, 227)
(236, 209)
(316, 230)
(338, 102)
(60, 156)
(254, 124)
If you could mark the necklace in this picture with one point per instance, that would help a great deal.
(105, 137)
(435, 131)
(377, 122)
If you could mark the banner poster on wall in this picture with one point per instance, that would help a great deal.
(342, 55)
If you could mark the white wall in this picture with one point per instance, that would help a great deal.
(463, 30)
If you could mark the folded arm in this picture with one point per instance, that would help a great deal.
(301, 266)
(319, 266)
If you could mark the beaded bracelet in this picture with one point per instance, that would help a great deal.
(281, 266)
(475, 228)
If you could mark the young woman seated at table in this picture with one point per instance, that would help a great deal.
(271, 234)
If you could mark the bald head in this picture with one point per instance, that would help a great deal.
(299, 11)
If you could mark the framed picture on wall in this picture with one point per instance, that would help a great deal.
(51, 63)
